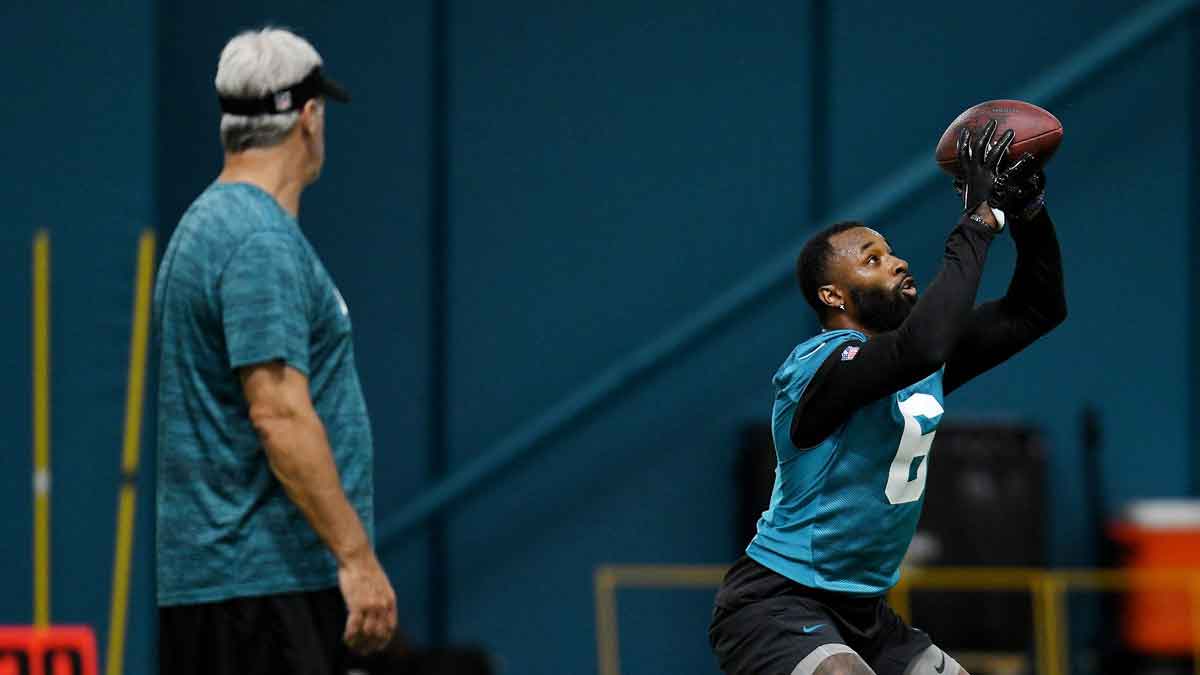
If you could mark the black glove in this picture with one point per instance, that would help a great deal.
(1020, 190)
(979, 161)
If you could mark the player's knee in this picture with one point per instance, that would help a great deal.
(934, 661)
(843, 664)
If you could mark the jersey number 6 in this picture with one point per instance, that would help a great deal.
(902, 486)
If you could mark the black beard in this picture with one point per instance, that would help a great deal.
(881, 309)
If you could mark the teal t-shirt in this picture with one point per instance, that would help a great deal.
(239, 284)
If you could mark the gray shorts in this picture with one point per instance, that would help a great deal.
(769, 626)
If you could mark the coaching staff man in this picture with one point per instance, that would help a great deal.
(265, 557)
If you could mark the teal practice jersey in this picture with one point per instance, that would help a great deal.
(844, 511)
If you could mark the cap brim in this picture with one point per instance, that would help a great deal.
(334, 90)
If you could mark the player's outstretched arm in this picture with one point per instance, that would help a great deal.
(893, 360)
(921, 345)
(1034, 305)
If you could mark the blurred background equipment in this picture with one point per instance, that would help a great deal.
(984, 507)
(565, 233)
(399, 659)
(59, 650)
(1163, 536)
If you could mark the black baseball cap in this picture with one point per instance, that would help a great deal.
(288, 99)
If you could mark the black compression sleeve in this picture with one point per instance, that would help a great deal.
(893, 360)
(1034, 304)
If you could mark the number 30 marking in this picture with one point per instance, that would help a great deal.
(913, 444)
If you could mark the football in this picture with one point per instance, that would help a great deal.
(1035, 130)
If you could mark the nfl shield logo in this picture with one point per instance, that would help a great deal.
(283, 101)
(849, 352)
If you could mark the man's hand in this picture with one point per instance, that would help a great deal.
(979, 162)
(1020, 189)
(298, 452)
(370, 601)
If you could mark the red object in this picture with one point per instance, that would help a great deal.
(1035, 130)
(1159, 619)
(57, 650)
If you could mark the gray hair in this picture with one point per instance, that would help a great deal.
(254, 64)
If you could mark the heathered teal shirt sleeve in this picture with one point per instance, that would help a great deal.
(265, 303)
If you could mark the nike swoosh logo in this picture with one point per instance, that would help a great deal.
(814, 628)
(942, 667)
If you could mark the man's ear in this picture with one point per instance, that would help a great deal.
(831, 296)
(309, 114)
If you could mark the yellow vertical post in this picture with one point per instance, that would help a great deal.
(41, 429)
(607, 647)
(130, 452)
(1042, 656)
(900, 598)
(1056, 637)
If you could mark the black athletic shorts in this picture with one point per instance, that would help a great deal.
(766, 624)
(294, 633)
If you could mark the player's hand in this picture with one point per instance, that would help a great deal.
(1020, 189)
(979, 163)
(371, 603)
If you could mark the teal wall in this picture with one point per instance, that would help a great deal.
(610, 169)
(79, 129)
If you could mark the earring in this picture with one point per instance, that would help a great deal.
(843, 307)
